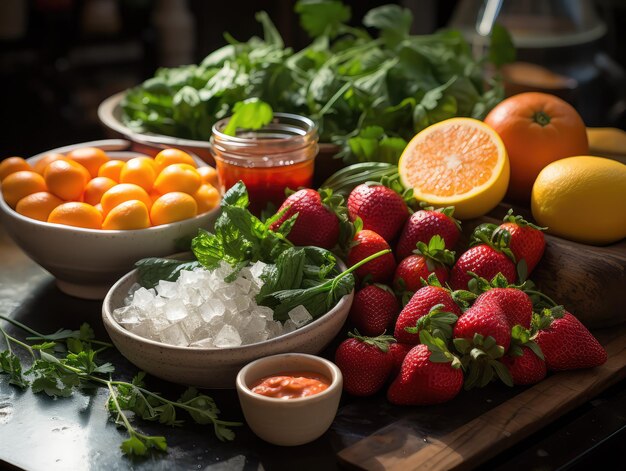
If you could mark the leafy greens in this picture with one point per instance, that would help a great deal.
(369, 95)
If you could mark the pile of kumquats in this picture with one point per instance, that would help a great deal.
(86, 188)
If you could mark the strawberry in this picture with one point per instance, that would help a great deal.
(374, 308)
(359, 351)
(486, 319)
(527, 368)
(515, 304)
(381, 209)
(316, 224)
(526, 240)
(484, 261)
(430, 374)
(426, 259)
(397, 352)
(423, 225)
(566, 343)
(367, 243)
(482, 335)
(420, 305)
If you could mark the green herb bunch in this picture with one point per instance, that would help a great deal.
(369, 93)
(307, 276)
(66, 360)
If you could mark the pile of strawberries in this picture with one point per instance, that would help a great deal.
(465, 321)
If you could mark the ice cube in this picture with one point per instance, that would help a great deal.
(256, 270)
(156, 326)
(263, 311)
(175, 310)
(203, 343)
(242, 303)
(227, 337)
(192, 323)
(143, 298)
(300, 316)
(243, 285)
(210, 308)
(174, 335)
(167, 289)
(289, 326)
(227, 292)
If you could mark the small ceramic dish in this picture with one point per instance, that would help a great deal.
(86, 262)
(289, 422)
(213, 367)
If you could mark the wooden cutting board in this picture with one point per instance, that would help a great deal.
(429, 442)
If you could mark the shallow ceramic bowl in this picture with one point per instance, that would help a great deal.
(213, 367)
(289, 422)
(86, 262)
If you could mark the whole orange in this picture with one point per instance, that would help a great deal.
(537, 129)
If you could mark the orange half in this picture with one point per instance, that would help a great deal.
(458, 162)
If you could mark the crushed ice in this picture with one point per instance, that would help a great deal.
(202, 310)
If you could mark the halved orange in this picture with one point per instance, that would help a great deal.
(458, 162)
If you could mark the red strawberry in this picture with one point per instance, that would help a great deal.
(315, 225)
(525, 369)
(515, 304)
(486, 319)
(484, 261)
(567, 344)
(419, 306)
(381, 209)
(367, 243)
(430, 374)
(526, 240)
(374, 308)
(427, 259)
(482, 335)
(423, 225)
(398, 351)
(364, 363)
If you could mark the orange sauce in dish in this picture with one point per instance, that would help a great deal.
(291, 385)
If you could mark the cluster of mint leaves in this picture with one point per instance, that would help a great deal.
(369, 88)
(66, 361)
(293, 276)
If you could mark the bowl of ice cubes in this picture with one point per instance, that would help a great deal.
(200, 330)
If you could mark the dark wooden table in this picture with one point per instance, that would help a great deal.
(40, 433)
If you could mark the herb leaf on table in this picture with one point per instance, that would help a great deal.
(61, 376)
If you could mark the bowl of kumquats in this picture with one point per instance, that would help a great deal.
(87, 212)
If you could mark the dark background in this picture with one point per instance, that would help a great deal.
(57, 71)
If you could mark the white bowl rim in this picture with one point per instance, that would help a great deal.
(108, 317)
(111, 145)
(336, 380)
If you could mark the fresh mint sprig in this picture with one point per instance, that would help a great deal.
(61, 376)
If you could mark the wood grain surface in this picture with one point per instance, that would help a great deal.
(398, 447)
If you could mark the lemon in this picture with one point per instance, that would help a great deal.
(582, 199)
(458, 162)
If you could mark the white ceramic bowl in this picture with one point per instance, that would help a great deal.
(213, 367)
(86, 262)
(289, 422)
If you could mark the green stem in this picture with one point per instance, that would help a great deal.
(21, 326)
(9, 338)
(541, 295)
(127, 424)
(541, 118)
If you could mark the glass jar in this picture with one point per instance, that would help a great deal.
(268, 160)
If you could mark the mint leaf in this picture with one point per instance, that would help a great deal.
(319, 17)
(151, 270)
(249, 114)
(501, 48)
(393, 21)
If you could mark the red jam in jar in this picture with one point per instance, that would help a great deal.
(291, 385)
(268, 160)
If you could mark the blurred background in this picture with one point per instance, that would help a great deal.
(59, 59)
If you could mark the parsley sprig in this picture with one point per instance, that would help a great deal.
(65, 361)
